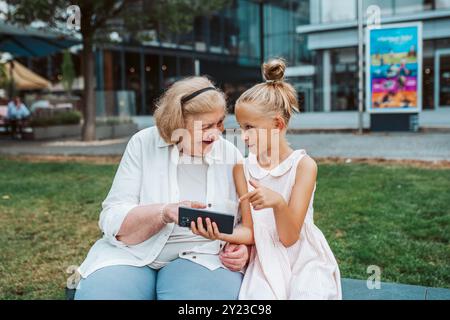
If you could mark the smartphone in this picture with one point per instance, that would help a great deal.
(225, 222)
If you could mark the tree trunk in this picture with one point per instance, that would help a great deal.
(88, 132)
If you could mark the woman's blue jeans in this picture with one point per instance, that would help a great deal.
(179, 280)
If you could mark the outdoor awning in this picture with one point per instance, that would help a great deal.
(32, 42)
(24, 78)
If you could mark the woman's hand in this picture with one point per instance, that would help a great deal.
(211, 232)
(262, 197)
(234, 256)
(170, 211)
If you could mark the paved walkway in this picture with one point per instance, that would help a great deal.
(312, 132)
(392, 146)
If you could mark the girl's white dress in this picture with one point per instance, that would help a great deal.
(307, 269)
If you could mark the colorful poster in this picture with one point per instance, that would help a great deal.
(394, 68)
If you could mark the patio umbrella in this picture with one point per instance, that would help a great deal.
(32, 42)
(24, 78)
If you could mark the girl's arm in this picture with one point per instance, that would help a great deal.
(243, 233)
(290, 216)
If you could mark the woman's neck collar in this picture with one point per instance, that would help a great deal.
(184, 155)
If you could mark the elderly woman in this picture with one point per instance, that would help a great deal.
(183, 161)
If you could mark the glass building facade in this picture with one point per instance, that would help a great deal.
(331, 81)
(228, 46)
(318, 38)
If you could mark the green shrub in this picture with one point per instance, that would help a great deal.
(60, 118)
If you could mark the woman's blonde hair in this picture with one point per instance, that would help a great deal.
(275, 96)
(171, 112)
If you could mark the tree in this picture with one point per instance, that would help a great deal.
(98, 17)
(68, 72)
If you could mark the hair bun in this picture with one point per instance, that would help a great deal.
(273, 70)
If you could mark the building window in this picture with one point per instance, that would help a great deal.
(249, 35)
(152, 85)
(386, 6)
(169, 70)
(428, 74)
(111, 70)
(338, 11)
(442, 4)
(216, 33)
(231, 30)
(186, 40)
(186, 67)
(111, 82)
(344, 79)
(412, 6)
(201, 34)
(280, 20)
(444, 81)
(133, 80)
(428, 84)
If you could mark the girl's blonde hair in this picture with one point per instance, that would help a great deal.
(171, 113)
(275, 96)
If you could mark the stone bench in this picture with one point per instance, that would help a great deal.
(357, 290)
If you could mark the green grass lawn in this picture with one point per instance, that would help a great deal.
(395, 217)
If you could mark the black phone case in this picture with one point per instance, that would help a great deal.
(225, 222)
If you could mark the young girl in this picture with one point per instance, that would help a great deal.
(291, 258)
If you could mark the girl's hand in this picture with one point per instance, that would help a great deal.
(262, 197)
(211, 232)
(170, 211)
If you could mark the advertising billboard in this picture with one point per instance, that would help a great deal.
(394, 68)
